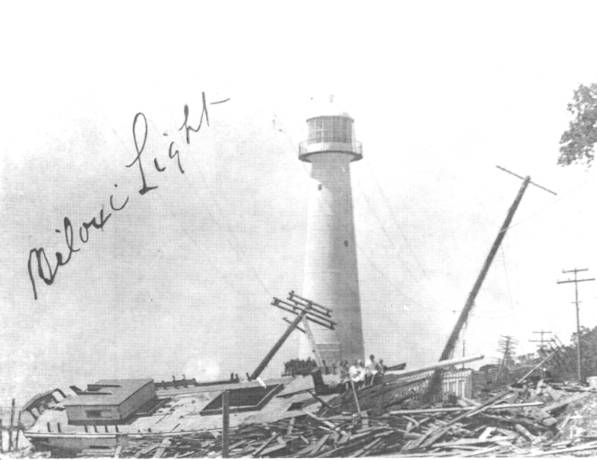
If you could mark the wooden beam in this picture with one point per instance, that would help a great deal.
(438, 365)
(225, 422)
(438, 410)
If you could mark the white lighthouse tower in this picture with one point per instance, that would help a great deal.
(331, 273)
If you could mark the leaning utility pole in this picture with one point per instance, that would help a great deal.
(576, 302)
(306, 311)
(468, 306)
(448, 350)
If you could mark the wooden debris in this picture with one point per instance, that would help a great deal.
(162, 448)
(505, 423)
(436, 410)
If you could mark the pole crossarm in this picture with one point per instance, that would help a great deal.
(523, 178)
(576, 281)
(297, 299)
(315, 314)
(305, 311)
(541, 341)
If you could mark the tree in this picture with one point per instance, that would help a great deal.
(563, 366)
(578, 141)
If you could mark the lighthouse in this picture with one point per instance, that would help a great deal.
(331, 273)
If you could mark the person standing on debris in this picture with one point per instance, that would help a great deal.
(344, 375)
(353, 371)
(381, 367)
(356, 373)
(371, 370)
(362, 377)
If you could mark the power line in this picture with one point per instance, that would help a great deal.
(198, 246)
(385, 232)
(510, 298)
(378, 270)
(186, 232)
(230, 233)
(394, 219)
(235, 246)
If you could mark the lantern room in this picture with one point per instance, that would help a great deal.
(330, 134)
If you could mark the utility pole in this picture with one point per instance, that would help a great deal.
(506, 348)
(576, 302)
(462, 337)
(448, 350)
(541, 341)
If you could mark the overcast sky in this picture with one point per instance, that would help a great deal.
(180, 280)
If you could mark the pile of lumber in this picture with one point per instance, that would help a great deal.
(511, 422)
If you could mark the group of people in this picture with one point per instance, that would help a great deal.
(299, 366)
(362, 375)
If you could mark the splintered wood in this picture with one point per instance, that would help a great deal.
(511, 422)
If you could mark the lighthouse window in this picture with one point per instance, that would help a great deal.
(346, 243)
(330, 129)
(338, 130)
(316, 129)
(319, 187)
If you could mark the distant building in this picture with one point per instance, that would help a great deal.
(109, 401)
(458, 382)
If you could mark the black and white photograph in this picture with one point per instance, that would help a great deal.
(268, 229)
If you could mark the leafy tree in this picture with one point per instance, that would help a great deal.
(563, 366)
(528, 359)
(578, 141)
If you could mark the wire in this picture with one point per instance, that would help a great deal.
(570, 194)
(378, 270)
(188, 235)
(508, 288)
(198, 246)
(235, 246)
(393, 216)
(385, 232)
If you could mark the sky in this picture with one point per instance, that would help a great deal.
(179, 281)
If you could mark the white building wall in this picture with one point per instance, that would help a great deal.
(331, 273)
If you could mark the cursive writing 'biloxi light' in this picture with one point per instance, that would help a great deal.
(38, 263)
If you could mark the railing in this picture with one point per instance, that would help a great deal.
(307, 147)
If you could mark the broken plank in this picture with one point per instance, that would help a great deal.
(290, 426)
(588, 446)
(264, 445)
(486, 433)
(431, 437)
(319, 444)
(365, 449)
(438, 410)
(473, 442)
(489, 450)
(565, 401)
(280, 445)
(162, 448)
(147, 450)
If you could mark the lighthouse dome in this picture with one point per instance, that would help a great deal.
(326, 108)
